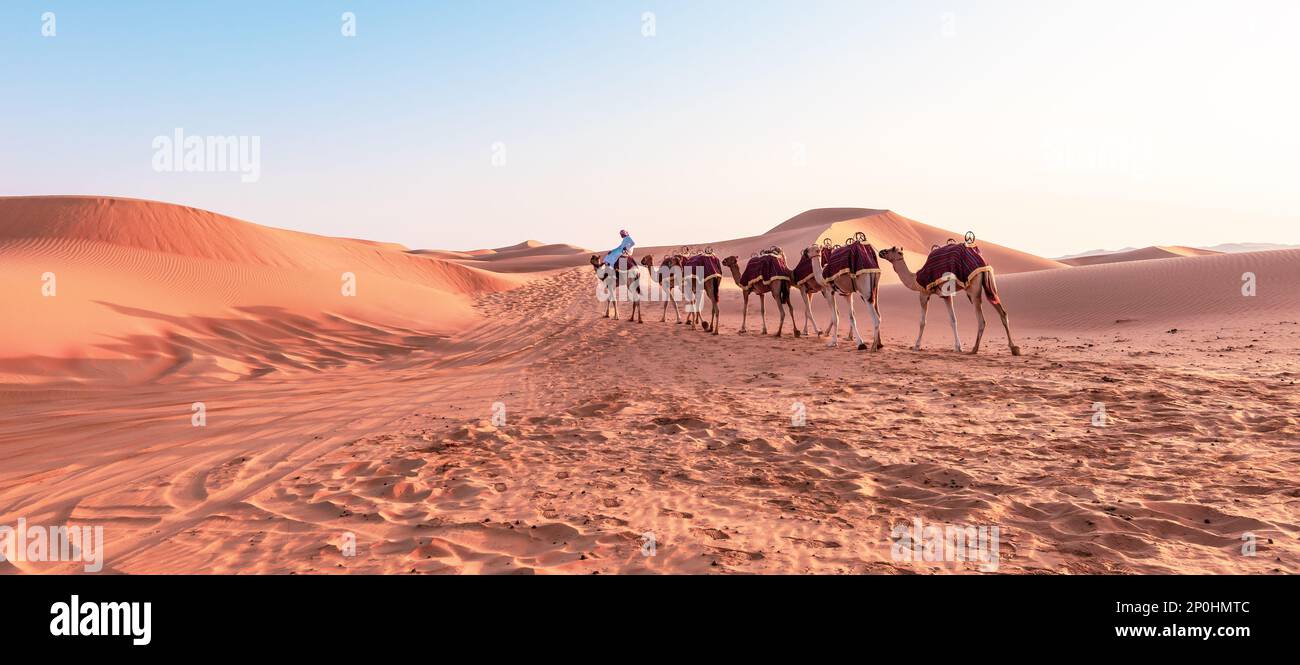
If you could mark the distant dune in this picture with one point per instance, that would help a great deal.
(1144, 254)
(1179, 250)
(527, 256)
(1237, 247)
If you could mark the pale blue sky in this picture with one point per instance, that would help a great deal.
(1047, 125)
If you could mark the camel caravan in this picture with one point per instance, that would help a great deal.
(850, 271)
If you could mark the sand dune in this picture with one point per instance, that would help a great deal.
(146, 289)
(527, 256)
(477, 436)
(1144, 254)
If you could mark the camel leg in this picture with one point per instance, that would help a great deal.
(714, 297)
(692, 300)
(830, 302)
(789, 304)
(610, 297)
(708, 328)
(835, 319)
(853, 324)
(676, 313)
(871, 309)
(744, 318)
(875, 307)
(875, 321)
(848, 297)
(809, 315)
(805, 311)
(1002, 312)
(631, 297)
(780, 325)
(875, 310)
(875, 327)
(976, 299)
(636, 300)
(762, 311)
(925, 307)
(952, 318)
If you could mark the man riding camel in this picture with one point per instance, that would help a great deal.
(624, 249)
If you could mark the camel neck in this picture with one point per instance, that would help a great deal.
(907, 276)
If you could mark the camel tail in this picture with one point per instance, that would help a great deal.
(991, 288)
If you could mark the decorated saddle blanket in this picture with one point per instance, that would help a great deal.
(706, 264)
(854, 259)
(625, 263)
(803, 271)
(765, 269)
(961, 260)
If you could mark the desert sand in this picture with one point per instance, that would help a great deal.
(369, 418)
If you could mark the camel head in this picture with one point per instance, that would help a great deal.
(595, 262)
(731, 262)
(891, 254)
(647, 261)
(813, 252)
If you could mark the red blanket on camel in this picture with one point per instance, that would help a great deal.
(963, 261)
(765, 268)
(854, 258)
(803, 271)
(707, 265)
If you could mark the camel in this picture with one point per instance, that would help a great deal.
(864, 284)
(710, 287)
(808, 286)
(631, 277)
(780, 290)
(980, 284)
(668, 275)
(602, 273)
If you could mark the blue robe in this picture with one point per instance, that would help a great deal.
(613, 254)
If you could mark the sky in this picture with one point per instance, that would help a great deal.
(1049, 126)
